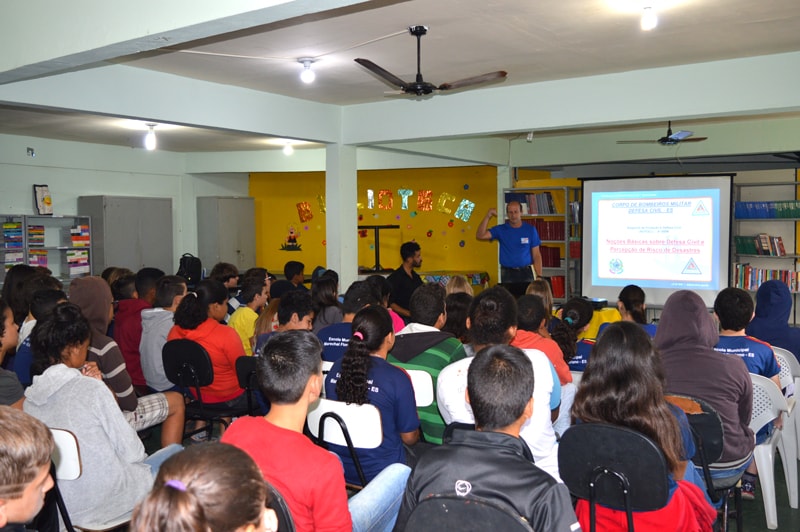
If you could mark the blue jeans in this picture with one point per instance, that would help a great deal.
(725, 473)
(375, 508)
(159, 457)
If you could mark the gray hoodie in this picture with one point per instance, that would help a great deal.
(113, 476)
(156, 323)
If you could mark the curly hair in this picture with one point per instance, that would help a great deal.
(371, 325)
(193, 308)
(64, 327)
(212, 486)
(575, 315)
(623, 384)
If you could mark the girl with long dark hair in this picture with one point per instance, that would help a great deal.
(623, 384)
(364, 376)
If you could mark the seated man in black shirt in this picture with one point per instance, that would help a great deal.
(492, 463)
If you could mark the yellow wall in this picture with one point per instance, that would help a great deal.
(277, 194)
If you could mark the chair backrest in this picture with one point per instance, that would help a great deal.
(187, 364)
(326, 368)
(363, 422)
(614, 466)
(278, 503)
(446, 512)
(66, 455)
(576, 377)
(706, 427)
(248, 380)
(768, 402)
(423, 386)
(790, 370)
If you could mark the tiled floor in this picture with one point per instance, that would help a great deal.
(753, 511)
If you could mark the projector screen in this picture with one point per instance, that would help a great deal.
(661, 233)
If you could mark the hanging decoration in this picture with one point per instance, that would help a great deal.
(441, 204)
(321, 201)
(464, 210)
(304, 211)
(385, 194)
(425, 200)
(404, 193)
(370, 199)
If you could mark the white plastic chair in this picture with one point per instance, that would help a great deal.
(423, 386)
(768, 404)
(349, 425)
(790, 367)
(67, 458)
(326, 368)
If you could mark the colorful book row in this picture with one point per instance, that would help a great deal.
(750, 278)
(760, 244)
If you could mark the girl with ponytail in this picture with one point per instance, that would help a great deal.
(198, 318)
(211, 487)
(575, 317)
(363, 376)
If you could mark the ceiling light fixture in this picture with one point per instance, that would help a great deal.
(150, 141)
(649, 18)
(288, 149)
(307, 75)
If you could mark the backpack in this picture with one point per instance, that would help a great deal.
(190, 268)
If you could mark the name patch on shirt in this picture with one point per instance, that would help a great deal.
(524, 240)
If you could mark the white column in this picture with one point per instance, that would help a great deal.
(341, 180)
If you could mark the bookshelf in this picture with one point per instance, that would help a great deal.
(763, 246)
(60, 243)
(556, 214)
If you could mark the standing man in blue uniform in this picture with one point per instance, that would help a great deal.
(520, 256)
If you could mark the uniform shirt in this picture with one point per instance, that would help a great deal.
(581, 358)
(757, 355)
(390, 390)
(516, 244)
(335, 339)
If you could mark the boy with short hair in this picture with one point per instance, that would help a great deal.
(26, 446)
(734, 308)
(493, 463)
(156, 324)
(309, 478)
(254, 295)
(295, 312)
(293, 271)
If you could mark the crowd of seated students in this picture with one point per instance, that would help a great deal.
(689, 355)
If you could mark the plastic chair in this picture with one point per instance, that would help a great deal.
(278, 503)
(359, 427)
(423, 387)
(187, 364)
(708, 434)
(613, 466)
(790, 382)
(326, 368)
(768, 404)
(246, 375)
(466, 514)
(67, 460)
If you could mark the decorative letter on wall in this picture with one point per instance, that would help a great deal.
(404, 193)
(304, 211)
(370, 199)
(464, 210)
(321, 201)
(441, 204)
(424, 200)
(389, 200)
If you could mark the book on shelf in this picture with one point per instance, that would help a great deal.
(749, 277)
(12, 258)
(35, 236)
(12, 234)
(37, 257)
(557, 283)
(75, 263)
(78, 236)
(760, 244)
(548, 229)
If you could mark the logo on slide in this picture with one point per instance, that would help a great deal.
(691, 268)
(615, 266)
(700, 209)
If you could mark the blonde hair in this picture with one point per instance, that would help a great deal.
(456, 284)
(25, 447)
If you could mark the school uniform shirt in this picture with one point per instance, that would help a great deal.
(756, 354)
(389, 389)
(581, 358)
(335, 339)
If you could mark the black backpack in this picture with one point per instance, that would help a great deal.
(190, 268)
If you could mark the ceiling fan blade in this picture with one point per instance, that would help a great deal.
(637, 142)
(694, 139)
(681, 135)
(382, 73)
(474, 80)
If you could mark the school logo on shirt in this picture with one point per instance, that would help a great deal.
(463, 488)
(524, 240)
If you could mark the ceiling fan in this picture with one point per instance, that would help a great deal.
(420, 87)
(670, 139)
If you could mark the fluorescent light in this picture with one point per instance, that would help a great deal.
(288, 149)
(649, 18)
(150, 141)
(307, 75)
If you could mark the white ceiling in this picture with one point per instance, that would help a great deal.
(533, 41)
